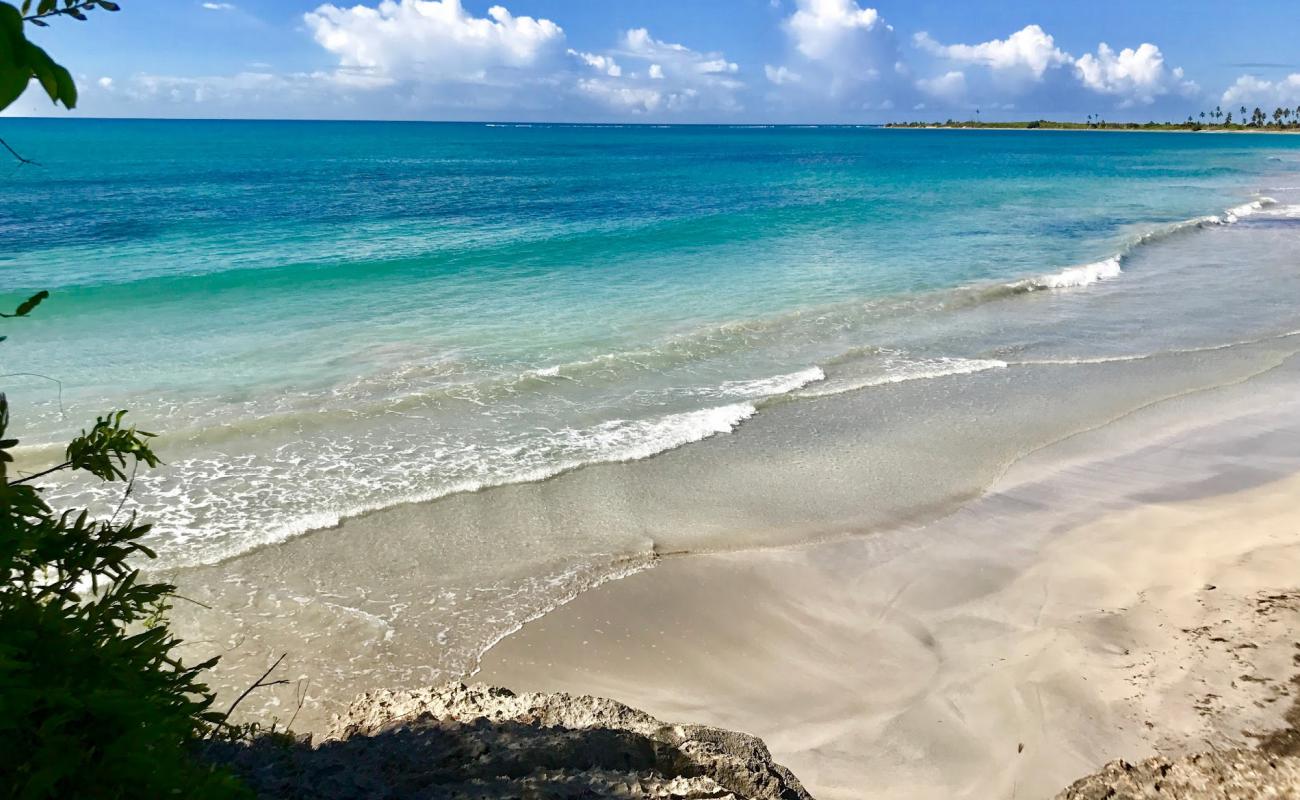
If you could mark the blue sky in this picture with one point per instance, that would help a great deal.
(678, 61)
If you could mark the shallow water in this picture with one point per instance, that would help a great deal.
(793, 333)
(325, 318)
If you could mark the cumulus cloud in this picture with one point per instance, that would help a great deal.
(1028, 63)
(854, 43)
(824, 29)
(675, 78)
(781, 75)
(638, 43)
(599, 63)
(1256, 92)
(950, 86)
(434, 41)
(1030, 49)
(1136, 76)
(439, 50)
(844, 58)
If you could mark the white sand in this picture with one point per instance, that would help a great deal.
(1063, 621)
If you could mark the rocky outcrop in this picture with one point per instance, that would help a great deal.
(1219, 775)
(458, 741)
(1271, 771)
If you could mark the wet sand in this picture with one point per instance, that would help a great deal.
(1108, 599)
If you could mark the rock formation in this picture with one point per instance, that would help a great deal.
(458, 741)
(1218, 775)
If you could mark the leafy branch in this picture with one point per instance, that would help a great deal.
(21, 61)
(72, 8)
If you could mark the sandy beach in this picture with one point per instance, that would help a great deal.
(1106, 600)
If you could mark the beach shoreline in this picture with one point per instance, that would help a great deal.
(367, 604)
(1101, 602)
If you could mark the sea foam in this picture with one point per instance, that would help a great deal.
(203, 521)
(770, 387)
(1109, 268)
(1073, 277)
(903, 370)
(1248, 209)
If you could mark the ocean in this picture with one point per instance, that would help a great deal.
(399, 330)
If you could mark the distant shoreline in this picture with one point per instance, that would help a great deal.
(1109, 127)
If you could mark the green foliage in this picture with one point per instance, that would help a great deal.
(21, 61)
(104, 450)
(94, 701)
(27, 306)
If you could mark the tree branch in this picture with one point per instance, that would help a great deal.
(258, 684)
(130, 484)
(41, 474)
(56, 381)
(75, 11)
(17, 155)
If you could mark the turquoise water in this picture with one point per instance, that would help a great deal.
(329, 318)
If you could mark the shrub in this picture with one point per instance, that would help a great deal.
(94, 701)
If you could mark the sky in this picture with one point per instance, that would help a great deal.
(687, 61)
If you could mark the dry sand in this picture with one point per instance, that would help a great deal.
(1093, 609)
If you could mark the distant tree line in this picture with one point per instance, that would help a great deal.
(1213, 119)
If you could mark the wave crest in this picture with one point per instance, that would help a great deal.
(1073, 277)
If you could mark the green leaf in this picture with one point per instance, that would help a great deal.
(13, 82)
(67, 86)
(21, 60)
(11, 27)
(30, 303)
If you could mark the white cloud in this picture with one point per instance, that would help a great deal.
(434, 41)
(1137, 76)
(638, 43)
(1030, 49)
(950, 86)
(717, 66)
(845, 58)
(827, 30)
(781, 75)
(1028, 63)
(637, 99)
(676, 78)
(599, 63)
(1256, 92)
(246, 94)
